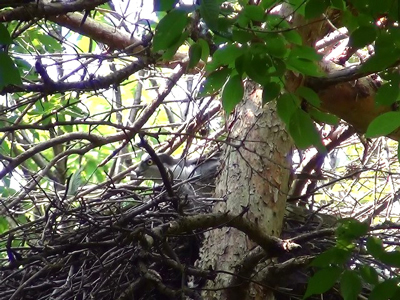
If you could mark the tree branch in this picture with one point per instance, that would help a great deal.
(42, 9)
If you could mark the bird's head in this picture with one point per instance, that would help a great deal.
(148, 168)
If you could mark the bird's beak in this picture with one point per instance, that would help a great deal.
(139, 172)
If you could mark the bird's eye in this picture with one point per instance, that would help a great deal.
(149, 162)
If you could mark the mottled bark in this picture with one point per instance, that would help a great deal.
(255, 175)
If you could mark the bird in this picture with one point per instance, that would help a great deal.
(197, 175)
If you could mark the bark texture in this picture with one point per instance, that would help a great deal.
(255, 175)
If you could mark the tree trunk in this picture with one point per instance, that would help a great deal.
(255, 176)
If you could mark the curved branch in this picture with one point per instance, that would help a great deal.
(95, 139)
(272, 246)
(317, 160)
(41, 9)
(98, 83)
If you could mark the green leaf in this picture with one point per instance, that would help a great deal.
(396, 294)
(363, 36)
(242, 36)
(232, 93)
(227, 55)
(380, 7)
(75, 182)
(375, 247)
(164, 5)
(3, 224)
(323, 117)
(287, 104)
(194, 55)
(303, 131)
(91, 166)
(315, 8)
(350, 285)
(391, 258)
(276, 45)
(256, 66)
(351, 229)
(331, 256)
(292, 36)
(8, 72)
(5, 37)
(240, 64)
(387, 94)
(214, 82)
(268, 3)
(387, 41)
(309, 95)
(50, 44)
(254, 12)
(305, 52)
(298, 6)
(170, 29)
(304, 66)
(384, 124)
(384, 290)
(169, 54)
(209, 11)
(271, 90)
(277, 69)
(380, 61)
(322, 281)
(369, 274)
(338, 4)
(205, 49)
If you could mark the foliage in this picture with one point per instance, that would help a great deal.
(341, 263)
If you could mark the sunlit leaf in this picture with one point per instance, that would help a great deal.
(303, 131)
(214, 81)
(170, 29)
(335, 256)
(3, 224)
(205, 49)
(227, 54)
(351, 229)
(164, 5)
(194, 55)
(276, 46)
(304, 66)
(209, 10)
(287, 104)
(232, 93)
(323, 117)
(322, 281)
(387, 94)
(170, 52)
(384, 124)
(305, 52)
(309, 95)
(254, 12)
(268, 3)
